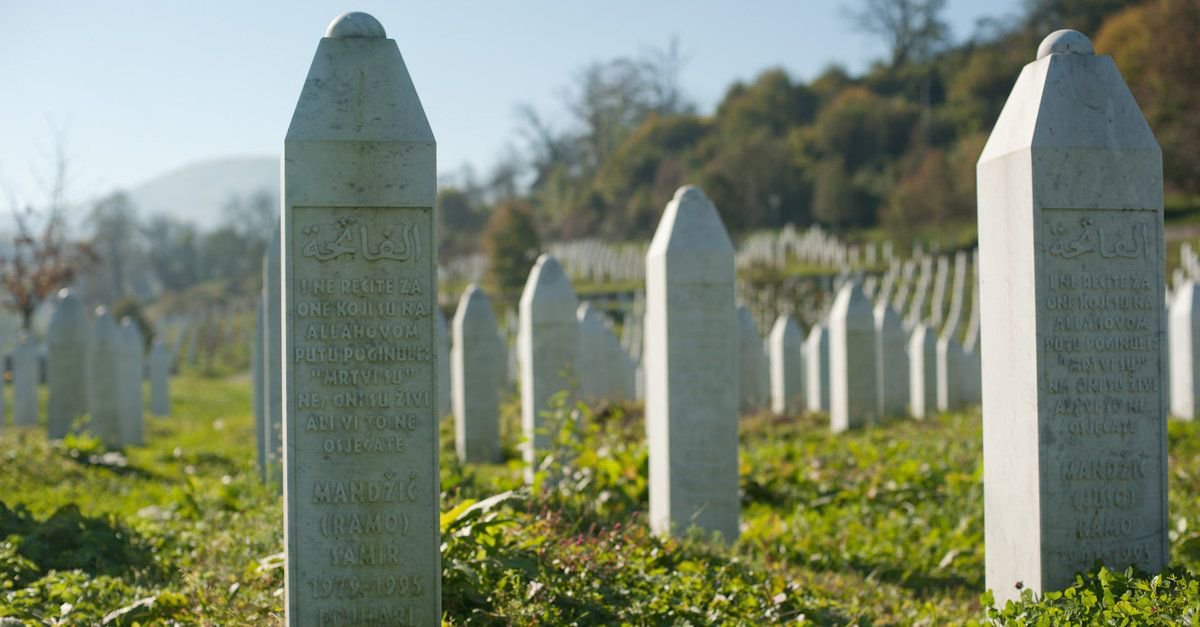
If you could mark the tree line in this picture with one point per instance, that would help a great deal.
(894, 148)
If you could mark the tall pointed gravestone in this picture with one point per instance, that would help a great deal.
(852, 387)
(891, 362)
(816, 368)
(476, 394)
(785, 345)
(359, 296)
(1071, 268)
(1185, 347)
(104, 381)
(922, 372)
(691, 370)
(159, 370)
(750, 357)
(272, 364)
(548, 342)
(132, 413)
(259, 381)
(66, 373)
(25, 381)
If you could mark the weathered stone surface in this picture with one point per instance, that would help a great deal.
(1071, 267)
(891, 361)
(160, 372)
(922, 372)
(548, 342)
(361, 497)
(476, 362)
(816, 368)
(691, 377)
(1185, 349)
(66, 372)
(25, 381)
(787, 366)
(104, 381)
(852, 387)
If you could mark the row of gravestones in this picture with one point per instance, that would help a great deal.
(1070, 208)
(100, 394)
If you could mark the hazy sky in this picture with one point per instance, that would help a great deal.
(139, 88)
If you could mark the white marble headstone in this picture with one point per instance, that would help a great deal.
(691, 376)
(361, 374)
(1071, 266)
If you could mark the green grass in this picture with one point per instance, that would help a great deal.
(877, 527)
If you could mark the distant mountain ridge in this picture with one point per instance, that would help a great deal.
(198, 192)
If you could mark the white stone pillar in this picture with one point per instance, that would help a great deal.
(476, 360)
(1185, 351)
(922, 372)
(66, 365)
(852, 387)
(548, 342)
(359, 251)
(274, 392)
(750, 356)
(132, 372)
(160, 373)
(787, 366)
(691, 377)
(25, 381)
(1071, 267)
(816, 368)
(104, 381)
(891, 361)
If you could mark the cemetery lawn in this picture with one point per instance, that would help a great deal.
(876, 527)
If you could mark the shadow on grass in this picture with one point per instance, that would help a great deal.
(68, 540)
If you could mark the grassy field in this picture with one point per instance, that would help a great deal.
(878, 527)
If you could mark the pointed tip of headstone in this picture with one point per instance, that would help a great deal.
(1065, 41)
(691, 220)
(547, 280)
(355, 25)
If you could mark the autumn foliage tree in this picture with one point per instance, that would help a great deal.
(41, 259)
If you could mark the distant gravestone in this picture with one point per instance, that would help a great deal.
(922, 372)
(361, 501)
(160, 373)
(132, 370)
(273, 391)
(258, 365)
(443, 356)
(891, 361)
(25, 381)
(620, 370)
(548, 341)
(592, 367)
(951, 372)
(104, 381)
(787, 366)
(816, 368)
(66, 373)
(475, 361)
(1185, 349)
(852, 387)
(750, 356)
(691, 379)
(1071, 253)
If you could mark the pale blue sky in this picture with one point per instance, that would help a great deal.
(141, 87)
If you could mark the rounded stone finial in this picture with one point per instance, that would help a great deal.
(355, 25)
(1065, 41)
